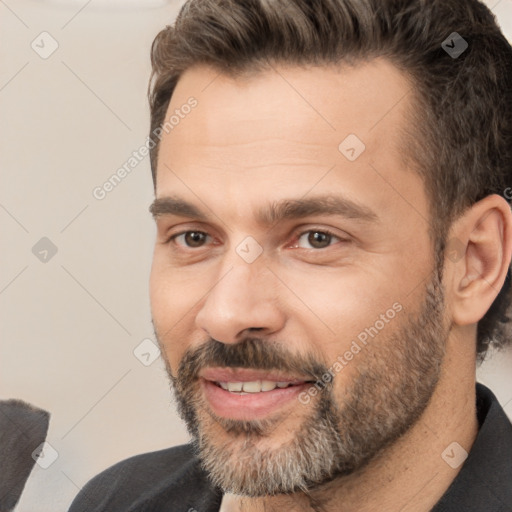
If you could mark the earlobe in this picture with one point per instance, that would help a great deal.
(483, 235)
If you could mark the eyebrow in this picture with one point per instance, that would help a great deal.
(175, 206)
(287, 209)
(319, 205)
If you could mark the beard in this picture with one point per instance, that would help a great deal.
(340, 431)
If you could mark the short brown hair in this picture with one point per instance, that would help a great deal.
(460, 139)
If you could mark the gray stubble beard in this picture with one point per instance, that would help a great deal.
(394, 381)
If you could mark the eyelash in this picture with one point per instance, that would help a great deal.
(176, 235)
(324, 232)
(297, 237)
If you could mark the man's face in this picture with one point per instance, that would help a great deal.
(287, 252)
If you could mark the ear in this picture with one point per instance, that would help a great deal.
(478, 257)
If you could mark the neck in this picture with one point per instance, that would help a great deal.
(411, 475)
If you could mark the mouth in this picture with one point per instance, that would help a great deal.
(245, 394)
(255, 386)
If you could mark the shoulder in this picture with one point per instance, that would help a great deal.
(483, 483)
(151, 482)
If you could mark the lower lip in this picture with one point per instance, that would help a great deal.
(250, 406)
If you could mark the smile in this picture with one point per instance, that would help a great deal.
(249, 394)
(256, 386)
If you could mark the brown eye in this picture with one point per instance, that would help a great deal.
(192, 239)
(316, 240)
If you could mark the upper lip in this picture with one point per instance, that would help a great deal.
(248, 375)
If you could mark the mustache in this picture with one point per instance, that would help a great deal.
(254, 353)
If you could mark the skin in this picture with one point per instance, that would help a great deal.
(273, 136)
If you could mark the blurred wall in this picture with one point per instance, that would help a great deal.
(74, 272)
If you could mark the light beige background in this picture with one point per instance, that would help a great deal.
(70, 325)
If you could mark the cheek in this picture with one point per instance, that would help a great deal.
(335, 309)
(173, 290)
(363, 323)
(173, 296)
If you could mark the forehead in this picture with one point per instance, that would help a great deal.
(284, 127)
(301, 104)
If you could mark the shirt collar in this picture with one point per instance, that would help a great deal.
(484, 483)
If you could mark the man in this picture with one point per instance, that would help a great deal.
(332, 258)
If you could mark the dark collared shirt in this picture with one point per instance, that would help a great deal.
(484, 483)
(172, 480)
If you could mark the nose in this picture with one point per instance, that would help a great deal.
(242, 303)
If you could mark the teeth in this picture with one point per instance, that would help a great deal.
(267, 385)
(253, 387)
(234, 386)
